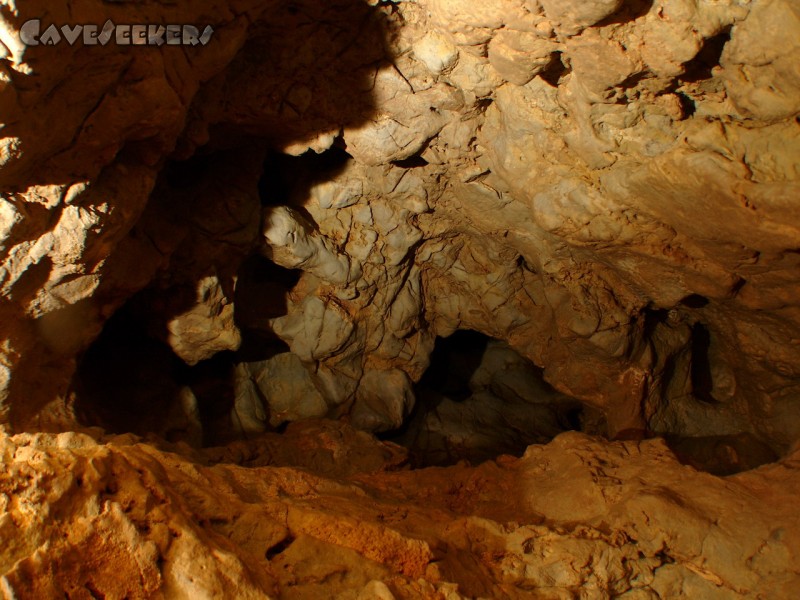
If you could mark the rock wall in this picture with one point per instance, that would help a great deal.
(281, 518)
(607, 188)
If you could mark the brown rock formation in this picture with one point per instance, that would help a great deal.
(578, 517)
(200, 244)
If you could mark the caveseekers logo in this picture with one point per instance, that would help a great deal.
(32, 34)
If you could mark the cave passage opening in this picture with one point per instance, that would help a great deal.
(480, 399)
(130, 379)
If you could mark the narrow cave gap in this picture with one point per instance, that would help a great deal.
(694, 301)
(556, 71)
(701, 66)
(284, 175)
(412, 162)
(131, 381)
(652, 317)
(279, 548)
(632, 81)
(701, 377)
(453, 362)
(480, 399)
(688, 106)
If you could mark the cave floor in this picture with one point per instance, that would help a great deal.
(324, 511)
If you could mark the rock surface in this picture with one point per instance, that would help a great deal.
(578, 517)
(607, 187)
(296, 214)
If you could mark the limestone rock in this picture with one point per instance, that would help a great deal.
(608, 190)
(206, 329)
(274, 391)
(760, 77)
(292, 243)
(574, 15)
(137, 521)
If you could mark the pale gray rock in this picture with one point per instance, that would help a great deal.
(207, 328)
(272, 392)
(293, 243)
(383, 400)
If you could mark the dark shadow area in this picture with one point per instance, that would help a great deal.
(555, 72)
(700, 67)
(695, 301)
(412, 162)
(261, 293)
(633, 80)
(286, 177)
(653, 317)
(454, 360)
(306, 70)
(702, 381)
(479, 399)
(131, 381)
(630, 11)
(721, 454)
(279, 548)
(128, 381)
(688, 106)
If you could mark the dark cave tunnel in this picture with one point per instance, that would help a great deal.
(370, 299)
(477, 400)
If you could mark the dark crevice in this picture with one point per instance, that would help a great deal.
(479, 399)
(284, 175)
(631, 10)
(701, 378)
(701, 66)
(280, 547)
(182, 174)
(555, 72)
(411, 162)
(688, 106)
(652, 318)
(694, 301)
(633, 80)
(737, 287)
(453, 361)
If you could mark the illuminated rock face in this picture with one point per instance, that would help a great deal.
(284, 221)
(323, 511)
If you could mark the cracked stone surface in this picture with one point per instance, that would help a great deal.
(607, 188)
(271, 518)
